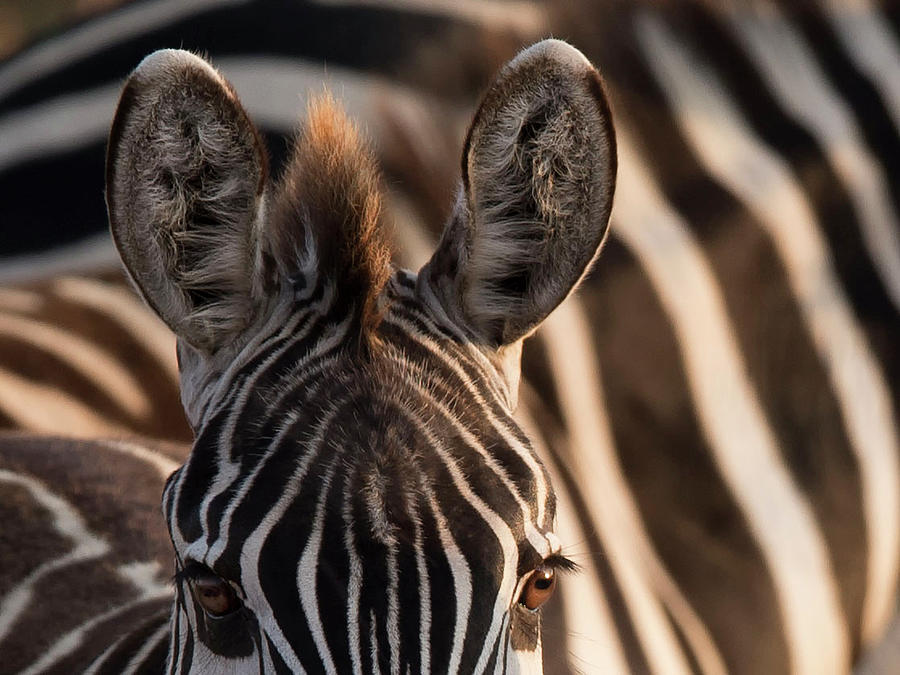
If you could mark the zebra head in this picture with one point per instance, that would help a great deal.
(358, 497)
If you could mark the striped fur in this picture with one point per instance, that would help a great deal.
(739, 332)
(357, 489)
(83, 357)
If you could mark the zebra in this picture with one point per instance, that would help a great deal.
(686, 565)
(358, 497)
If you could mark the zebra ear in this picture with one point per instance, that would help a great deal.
(185, 175)
(538, 171)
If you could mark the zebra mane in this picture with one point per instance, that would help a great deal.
(330, 191)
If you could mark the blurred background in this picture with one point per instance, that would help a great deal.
(759, 192)
(24, 21)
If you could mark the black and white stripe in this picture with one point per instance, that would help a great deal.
(82, 357)
(730, 361)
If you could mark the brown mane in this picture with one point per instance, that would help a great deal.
(330, 189)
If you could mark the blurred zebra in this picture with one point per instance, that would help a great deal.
(740, 501)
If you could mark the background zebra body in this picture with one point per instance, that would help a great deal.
(84, 358)
(737, 334)
(80, 517)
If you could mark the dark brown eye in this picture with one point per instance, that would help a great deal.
(214, 594)
(538, 587)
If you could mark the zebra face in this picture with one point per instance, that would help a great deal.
(379, 513)
(358, 497)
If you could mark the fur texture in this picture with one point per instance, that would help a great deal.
(330, 191)
(538, 178)
(208, 247)
(185, 177)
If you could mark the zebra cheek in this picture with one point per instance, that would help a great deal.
(523, 660)
(525, 630)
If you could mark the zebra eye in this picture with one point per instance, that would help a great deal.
(538, 587)
(214, 594)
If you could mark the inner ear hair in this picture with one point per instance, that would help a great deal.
(186, 172)
(538, 174)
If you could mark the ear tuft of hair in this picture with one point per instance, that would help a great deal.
(331, 191)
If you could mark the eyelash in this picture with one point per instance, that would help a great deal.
(189, 572)
(561, 563)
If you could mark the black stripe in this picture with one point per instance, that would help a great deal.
(351, 37)
(443, 601)
(690, 515)
(856, 90)
(596, 562)
(76, 211)
(781, 358)
(333, 575)
(891, 12)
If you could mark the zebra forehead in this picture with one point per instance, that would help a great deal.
(372, 444)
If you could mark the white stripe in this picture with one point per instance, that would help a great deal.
(114, 28)
(354, 584)
(785, 61)
(149, 645)
(871, 45)
(424, 590)
(94, 364)
(68, 523)
(594, 466)
(125, 308)
(392, 620)
(744, 448)
(21, 301)
(46, 409)
(373, 642)
(61, 124)
(163, 464)
(592, 644)
(147, 577)
(761, 180)
(307, 570)
(87, 256)
(97, 664)
(521, 16)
